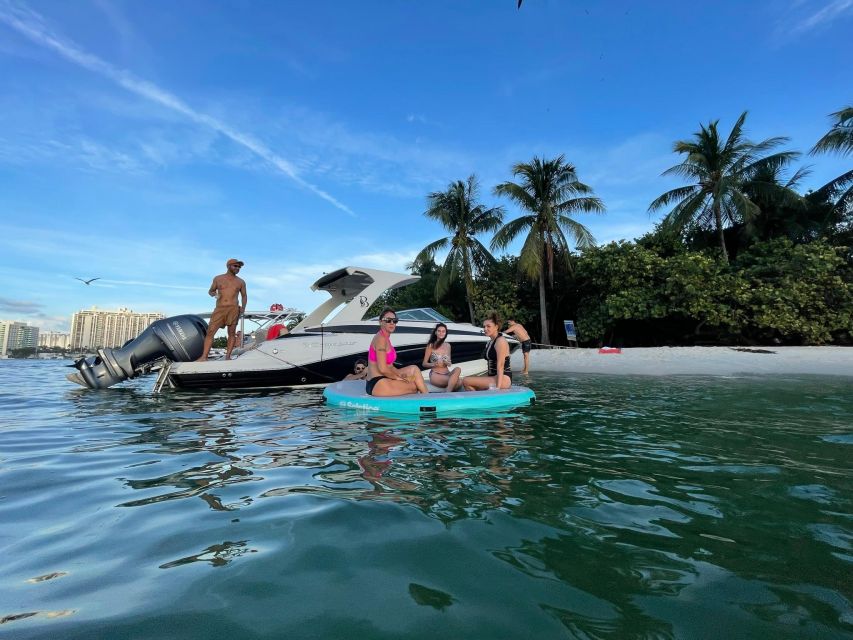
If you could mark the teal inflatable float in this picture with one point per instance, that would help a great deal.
(350, 394)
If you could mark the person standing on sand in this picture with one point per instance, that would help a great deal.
(520, 334)
(226, 288)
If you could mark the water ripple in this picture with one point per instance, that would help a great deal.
(613, 507)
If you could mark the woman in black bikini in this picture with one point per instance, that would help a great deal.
(497, 355)
(437, 360)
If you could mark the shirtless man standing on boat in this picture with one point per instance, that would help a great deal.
(520, 334)
(226, 287)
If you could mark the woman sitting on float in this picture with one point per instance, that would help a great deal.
(499, 374)
(437, 360)
(383, 378)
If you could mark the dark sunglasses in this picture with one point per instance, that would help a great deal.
(359, 368)
(390, 320)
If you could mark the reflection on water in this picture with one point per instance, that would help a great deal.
(612, 508)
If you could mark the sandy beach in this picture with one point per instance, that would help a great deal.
(723, 361)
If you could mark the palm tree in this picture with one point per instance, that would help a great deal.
(718, 171)
(459, 212)
(781, 210)
(550, 191)
(839, 138)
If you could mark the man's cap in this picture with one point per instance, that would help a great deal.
(239, 263)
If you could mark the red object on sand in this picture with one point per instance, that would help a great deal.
(610, 350)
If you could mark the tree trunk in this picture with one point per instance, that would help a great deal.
(469, 288)
(719, 220)
(542, 311)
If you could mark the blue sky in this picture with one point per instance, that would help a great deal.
(146, 143)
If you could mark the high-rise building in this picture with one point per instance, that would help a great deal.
(95, 328)
(51, 339)
(17, 335)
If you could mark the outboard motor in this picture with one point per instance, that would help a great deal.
(179, 338)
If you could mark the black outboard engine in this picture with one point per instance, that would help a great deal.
(180, 338)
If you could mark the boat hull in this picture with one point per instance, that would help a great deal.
(317, 357)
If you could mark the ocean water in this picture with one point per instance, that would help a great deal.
(616, 507)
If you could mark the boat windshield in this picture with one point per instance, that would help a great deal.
(424, 314)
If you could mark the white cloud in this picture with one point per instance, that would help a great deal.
(825, 15)
(33, 26)
(803, 16)
(376, 162)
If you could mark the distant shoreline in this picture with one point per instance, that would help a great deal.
(722, 361)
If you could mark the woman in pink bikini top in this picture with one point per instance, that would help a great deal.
(383, 378)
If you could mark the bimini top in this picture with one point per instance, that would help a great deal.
(355, 287)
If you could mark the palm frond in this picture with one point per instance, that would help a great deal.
(844, 203)
(839, 191)
(427, 254)
(771, 163)
(684, 212)
(840, 137)
(484, 220)
(739, 208)
(517, 194)
(590, 204)
(579, 233)
(530, 257)
(674, 195)
(687, 170)
(449, 273)
(794, 181)
(510, 231)
(770, 143)
(735, 138)
(480, 256)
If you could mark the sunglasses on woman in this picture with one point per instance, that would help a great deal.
(390, 320)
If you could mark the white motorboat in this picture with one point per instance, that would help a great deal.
(323, 347)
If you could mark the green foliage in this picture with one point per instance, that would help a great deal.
(220, 343)
(797, 293)
(24, 352)
(501, 289)
(422, 294)
(776, 292)
(663, 241)
(618, 282)
(699, 288)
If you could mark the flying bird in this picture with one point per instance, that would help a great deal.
(89, 281)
